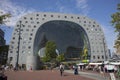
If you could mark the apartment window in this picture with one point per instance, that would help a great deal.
(65, 16)
(12, 42)
(93, 57)
(29, 47)
(30, 38)
(31, 18)
(78, 17)
(51, 15)
(44, 15)
(37, 22)
(23, 25)
(72, 17)
(37, 18)
(37, 14)
(25, 18)
(98, 57)
(16, 51)
(13, 37)
(31, 34)
(32, 29)
(34, 26)
(58, 16)
(94, 22)
(11, 51)
(11, 58)
(23, 51)
(17, 25)
(102, 57)
(11, 47)
(21, 30)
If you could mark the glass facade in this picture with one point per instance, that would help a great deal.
(69, 37)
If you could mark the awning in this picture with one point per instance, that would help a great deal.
(115, 63)
(81, 64)
(95, 63)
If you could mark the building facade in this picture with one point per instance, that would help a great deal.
(3, 48)
(66, 30)
(3, 54)
(2, 40)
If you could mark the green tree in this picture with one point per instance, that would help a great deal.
(46, 59)
(85, 53)
(3, 17)
(116, 23)
(60, 58)
(50, 52)
(116, 19)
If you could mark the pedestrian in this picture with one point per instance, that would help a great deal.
(75, 70)
(61, 69)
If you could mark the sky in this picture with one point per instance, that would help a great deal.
(99, 10)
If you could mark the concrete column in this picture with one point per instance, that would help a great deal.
(32, 62)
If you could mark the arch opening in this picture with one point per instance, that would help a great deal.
(70, 38)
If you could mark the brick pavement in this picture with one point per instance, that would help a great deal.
(42, 75)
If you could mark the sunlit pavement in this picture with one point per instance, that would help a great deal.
(92, 75)
(43, 75)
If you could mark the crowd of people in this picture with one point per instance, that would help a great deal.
(102, 69)
(2, 72)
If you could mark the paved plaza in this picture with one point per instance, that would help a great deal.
(43, 75)
(55, 75)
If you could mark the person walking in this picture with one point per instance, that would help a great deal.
(75, 70)
(61, 69)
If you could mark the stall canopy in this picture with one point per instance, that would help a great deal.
(81, 64)
(95, 63)
(115, 63)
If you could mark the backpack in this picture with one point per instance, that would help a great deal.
(61, 69)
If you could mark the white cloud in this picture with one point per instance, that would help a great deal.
(82, 5)
(62, 9)
(78, 6)
(17, 11)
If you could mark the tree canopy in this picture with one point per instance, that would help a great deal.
(116, 23)
(3, 17)
(60, 58)
(116, 19)
(50, 52)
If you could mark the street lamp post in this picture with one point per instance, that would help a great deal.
(104, 50)
(19, 37)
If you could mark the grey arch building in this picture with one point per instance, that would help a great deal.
(32, 30)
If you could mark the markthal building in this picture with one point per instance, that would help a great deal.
(78, 37)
